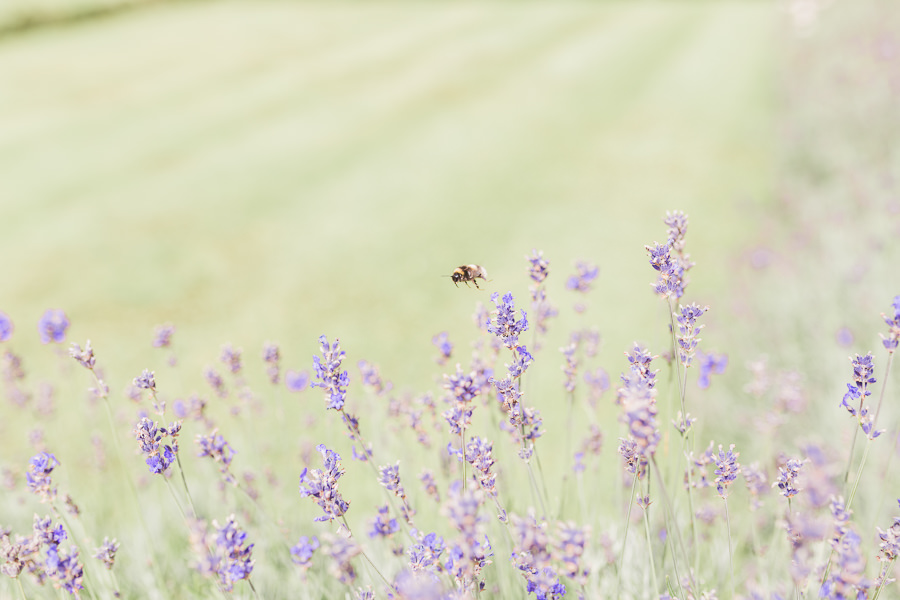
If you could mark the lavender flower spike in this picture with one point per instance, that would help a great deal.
(727, 469)
(322, 485)
(892, 339)
(504, 325)
(331, 378)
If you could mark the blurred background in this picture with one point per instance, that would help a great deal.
(280, 170)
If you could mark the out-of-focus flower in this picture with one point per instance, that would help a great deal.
(52, 326)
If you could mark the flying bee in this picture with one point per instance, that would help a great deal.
(467, 273)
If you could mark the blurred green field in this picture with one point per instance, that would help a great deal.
(281, 170)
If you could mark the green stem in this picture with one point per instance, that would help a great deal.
(862, 464)
(21, 589)
(650, 553)
(625, 535)
(730, 551)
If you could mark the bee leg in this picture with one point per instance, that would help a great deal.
(456, 284)
(476, 284)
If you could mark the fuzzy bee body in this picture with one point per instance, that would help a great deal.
(467, 273)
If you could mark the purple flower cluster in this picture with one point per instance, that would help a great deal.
(322, 485)
(479, 454)
(585, 274)
(538, 267)
(425, 553)
(384, 525)
(52, 326)
(84, 357)
(146, 381)
(272, 357)
(389, 477)
(330, 377)
(857, 391)
(471, 551)
(296, 381)
(687, 332)
(162, 335)
(727, 469)
(371, 377)
(532, 555)
(637, 397)
(709, 364)
(226, 555)
(302, 552)
(6, 327)
(504, 323)
(231, 357)
(892, 339)
(38, 476)
(215, 381)
(442, 342)
(570, 368)
(159, 456)
(889, 544)
(107, 552)
(787, 478)
(215, 447)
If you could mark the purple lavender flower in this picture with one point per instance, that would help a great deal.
(159, 456)
(342, 552)
(787, 478)
(757, 484)
(231, 356)
(479, 453)
(331, 378)
(296, 381)
(442, 341)
(384, 525)
(635, 463)
(504, 325)
(570, 368)
(271, 356)
(302, 552)
(638, 401)
(215, 381)
(597, 384)
(585, 274)
(427, 479)
(84, 357)
(234, 554)
(215, 447)
(847, 579)
(889, 546)
(162, 335)
(38, 476)
(6, 327)
(64, 569)
(425, 553)
(52, 326)
(710, 364)
(538, 268)
(146, 381)
(863, 368)
(107, 552)
(569, 547)
(688, 330)
(371, 377)
(322, 485)
(727, 469)
(892, 339)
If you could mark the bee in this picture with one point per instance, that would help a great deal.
(467, 273)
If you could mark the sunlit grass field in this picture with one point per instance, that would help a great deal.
(277, 171)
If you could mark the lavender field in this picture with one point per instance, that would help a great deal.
(234, 363)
